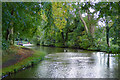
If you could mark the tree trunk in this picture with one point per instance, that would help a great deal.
(84, 23)
(11, 30)
(107, 34)
(7, 35)
(11, 36)
(63, 40)
(89, 17)
(66, 37)
(92, 30)
(91, 25)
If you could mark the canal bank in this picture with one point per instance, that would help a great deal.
(111, 51)
(21, 58)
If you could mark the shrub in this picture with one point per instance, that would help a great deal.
(5, 44)
(84, 42)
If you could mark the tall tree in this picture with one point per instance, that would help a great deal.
(19, 17)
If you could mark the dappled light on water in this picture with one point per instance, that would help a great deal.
(74, 63)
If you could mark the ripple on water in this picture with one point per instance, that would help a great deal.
(76, 64)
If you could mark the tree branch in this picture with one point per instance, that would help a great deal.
(83, 22)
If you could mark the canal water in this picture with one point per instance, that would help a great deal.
(72, 63)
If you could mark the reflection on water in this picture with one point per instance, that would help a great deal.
(72, 63)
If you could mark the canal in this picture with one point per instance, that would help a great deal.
(72, 63)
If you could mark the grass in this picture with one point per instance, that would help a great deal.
(35, 58)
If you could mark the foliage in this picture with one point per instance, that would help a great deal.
(84, 42)
(5, 44)
(59, 24)
(20, 16)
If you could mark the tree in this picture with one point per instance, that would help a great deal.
(19, 17)
(108, 11)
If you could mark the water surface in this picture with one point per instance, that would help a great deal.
(72, 63)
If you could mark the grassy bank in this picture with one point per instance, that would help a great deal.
(24, 63)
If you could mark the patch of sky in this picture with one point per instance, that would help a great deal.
(91, 10)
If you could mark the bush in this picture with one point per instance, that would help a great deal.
(103, 47)
(36, 40)
(84, 42)
(59, 45)
(5, 44)
(114, 49)
(70, 43)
